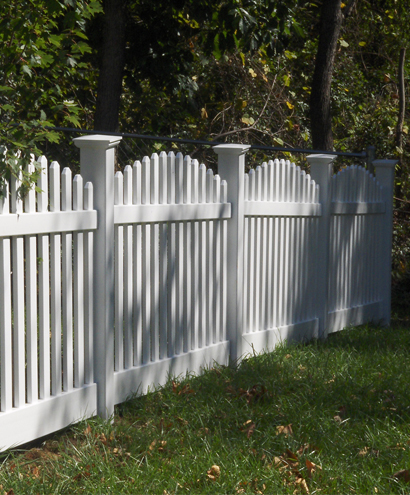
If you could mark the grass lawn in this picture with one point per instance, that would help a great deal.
(325, 417)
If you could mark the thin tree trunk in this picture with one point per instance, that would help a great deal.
(320, 107)
(400, 122)
(111, 67)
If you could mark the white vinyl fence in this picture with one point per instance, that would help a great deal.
(111, 283)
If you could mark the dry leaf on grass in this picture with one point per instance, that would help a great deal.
(214, 472)
(248, 428)
(87, 430)
(185, 390)
(302, 483)
(284, 430)
(312, 467)
(403, 475)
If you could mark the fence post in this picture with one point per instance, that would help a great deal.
(231, 167)
(97, 166)
(321, 168)
(385, 175)
(371, 155)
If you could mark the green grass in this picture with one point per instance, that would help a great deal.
(346, 400)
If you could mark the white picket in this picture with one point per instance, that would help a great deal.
(19, 347)
(217, 265)
(31, 301)
(154, 254)
(163, 295)
(187, 284)
(44, 287)
(67, 284)
(179, 253)
(128, 274)
(210, 260)
(6, 362)
(78, 243)
(119, 277)
(202, 295)
(171, 279)
(224, 255)
(146, 266)
(195, 267)
(137, 266)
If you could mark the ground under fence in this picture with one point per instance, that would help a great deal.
(111, 283)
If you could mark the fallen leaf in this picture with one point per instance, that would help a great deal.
(312, 467)
(249, 428)
(364, 451)
(403, 475)
(87, 431)
(291, 455)
(103, 439)
(337, 418)
(303, 484)
(284, 430)
(214, 472)
(35, 471)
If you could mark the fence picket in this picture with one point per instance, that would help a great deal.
(6, 362)
(119, 277)
(146, 266)
(179, 261)
(217, 265)
(154, 199)
(171, 279)
(210, 261)
(163, 295)
(43, 287)
(19, 347)
(202, 261)
(187, 183)
(78, 243)
(137, 267)
(128, 274)
(67, 283)
(31, 301)
(251, 257)
(195, 259)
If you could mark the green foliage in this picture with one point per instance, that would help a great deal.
(43, 44)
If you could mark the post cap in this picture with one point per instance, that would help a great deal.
(97, 141)
(321, 159)
(231, 149)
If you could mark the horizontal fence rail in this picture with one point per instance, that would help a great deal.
(110, 283)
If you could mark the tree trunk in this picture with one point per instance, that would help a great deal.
(111, 66)
(320, 108)
(400, 122)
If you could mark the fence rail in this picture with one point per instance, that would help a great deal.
(108, 288)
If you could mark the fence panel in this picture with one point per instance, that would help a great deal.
(282, 211)
(175, 249)
(43, 383)
(358, 210)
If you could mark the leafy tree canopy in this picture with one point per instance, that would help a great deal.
(43, 42)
